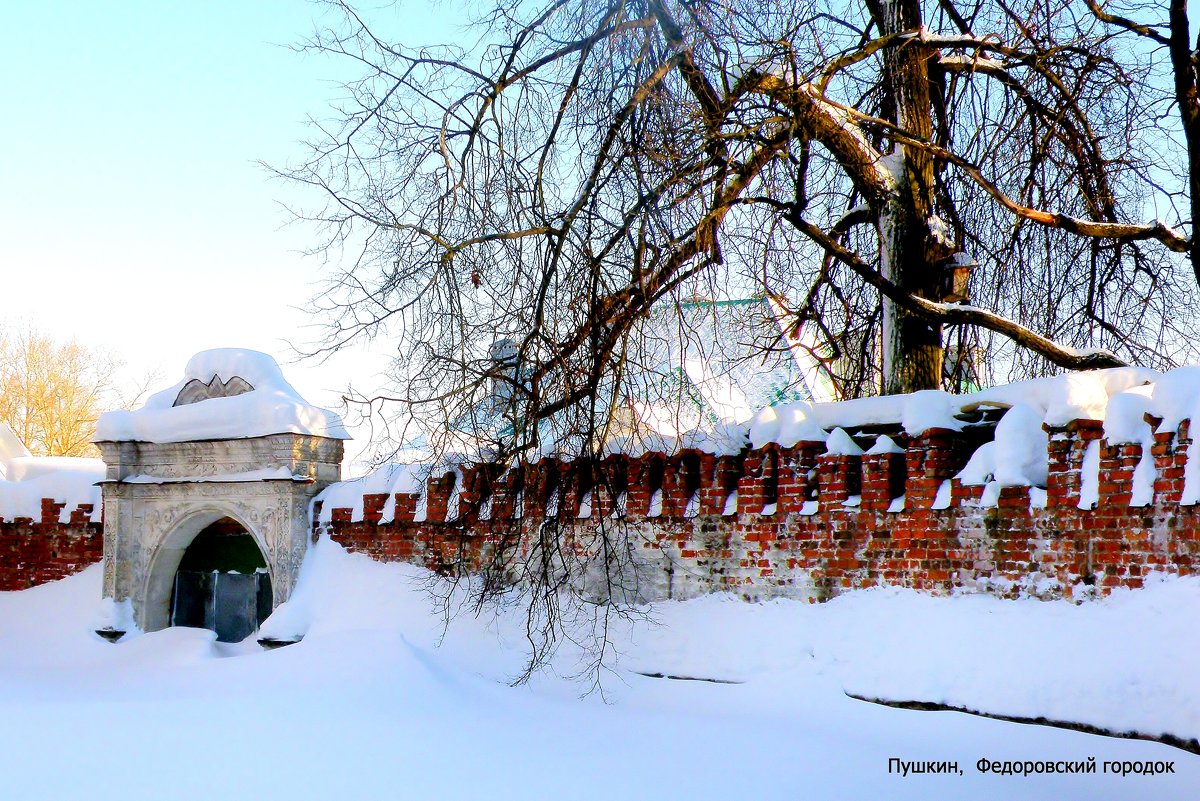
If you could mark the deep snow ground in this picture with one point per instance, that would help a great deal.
(370, 705)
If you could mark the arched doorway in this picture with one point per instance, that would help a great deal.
(222, 582)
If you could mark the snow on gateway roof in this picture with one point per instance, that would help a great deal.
(216, 406)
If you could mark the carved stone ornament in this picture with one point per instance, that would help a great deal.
(196, 390)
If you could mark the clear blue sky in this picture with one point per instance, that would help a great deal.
(133, 213)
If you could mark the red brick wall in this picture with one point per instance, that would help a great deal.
(819, 549)
(33, 553)
(831, 528)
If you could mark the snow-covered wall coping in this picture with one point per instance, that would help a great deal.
(1124, 399)
(26, 480)
(272, 406)
(1055, 400)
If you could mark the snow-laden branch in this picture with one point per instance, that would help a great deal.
(960, 314)
(954, 62)
(1170, 237)
(830, 123)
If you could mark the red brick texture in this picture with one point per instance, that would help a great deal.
(828, 527)
(33, 553)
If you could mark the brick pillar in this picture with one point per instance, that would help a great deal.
(373, 508)
(643, 481)
(675, 494)
(1117, 463)
(806, 454)
(721, 475)
(614, 471)
(506, 488)
(1168, 479)
(792, 482)
(1058, 466)
(879, 473)
(1083, 432)
(750, 484)
(930, 459)
(1182, 442)
(437, 496)
(839, 477)
(51, 510)
(543, 477)
(406, 506)
(572, 483)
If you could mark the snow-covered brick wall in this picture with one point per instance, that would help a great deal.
(27, 482)
(944, 511)
(1056, 487)
(49, 519)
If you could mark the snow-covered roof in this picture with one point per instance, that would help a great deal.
(226, 393)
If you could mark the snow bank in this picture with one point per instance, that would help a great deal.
(380, 695)
(71, 481)
(969, 651)
(271, 407)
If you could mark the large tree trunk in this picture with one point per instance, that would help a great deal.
(1187, 95)
(908, 251)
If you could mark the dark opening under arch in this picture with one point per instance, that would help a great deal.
(222, 583)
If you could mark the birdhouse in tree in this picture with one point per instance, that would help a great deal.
(956, 277)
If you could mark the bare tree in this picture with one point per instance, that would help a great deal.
(588, 160)
(1161, 37)
(869, 166)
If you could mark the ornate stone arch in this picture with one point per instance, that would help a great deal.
(177, 530)
(159, 496)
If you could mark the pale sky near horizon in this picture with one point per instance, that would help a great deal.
(134, 215)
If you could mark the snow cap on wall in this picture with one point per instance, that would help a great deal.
(71, 481)
(270, 406)
(1055, 400)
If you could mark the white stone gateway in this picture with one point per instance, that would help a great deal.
(224, 461)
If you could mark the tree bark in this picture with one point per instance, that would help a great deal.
(1185, 67)
(908, 252)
